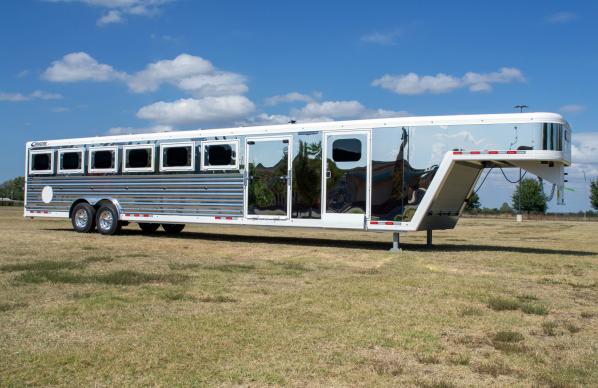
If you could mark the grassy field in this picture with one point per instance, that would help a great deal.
(493, 303)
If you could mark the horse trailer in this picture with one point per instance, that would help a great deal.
(399, 175)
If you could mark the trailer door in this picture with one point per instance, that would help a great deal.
(268, 178)
(346, 177)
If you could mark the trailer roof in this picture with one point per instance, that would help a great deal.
(505, 118)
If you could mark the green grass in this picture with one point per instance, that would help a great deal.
(502, 304)
(121, 278)
(41, 265)
(550, 328)
(534, 308)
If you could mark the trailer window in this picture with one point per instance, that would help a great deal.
(41, 162)
(103, 159)
(138, 158)
(177, 157)
(70, 161)
(219, 155)
(346, 150)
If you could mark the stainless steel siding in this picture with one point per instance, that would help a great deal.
(180, 194)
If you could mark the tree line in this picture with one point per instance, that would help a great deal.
(528, 197)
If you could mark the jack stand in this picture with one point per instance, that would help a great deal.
(429, 238)
(395, 243)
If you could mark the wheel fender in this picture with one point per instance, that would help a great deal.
(94, 201)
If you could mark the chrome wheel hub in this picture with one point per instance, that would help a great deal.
(106, 220)
(81, 218)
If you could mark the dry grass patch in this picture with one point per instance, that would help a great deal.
(241, 306)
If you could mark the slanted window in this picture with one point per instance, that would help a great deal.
(70, 161)
(41, 162)
(219, 155)
(103, 159)
(138, 158)
(346, 150)
(177, 157)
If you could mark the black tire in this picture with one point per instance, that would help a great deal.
(147, 227)
(173, 228)
(107, 220)
(83, 218)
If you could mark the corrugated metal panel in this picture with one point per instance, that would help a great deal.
(185, 194)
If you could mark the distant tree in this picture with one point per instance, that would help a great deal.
(505, 208)
(13, 188)
(528, 197)
(473, 202)
(594, 193)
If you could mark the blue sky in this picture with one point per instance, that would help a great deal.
(73, 68)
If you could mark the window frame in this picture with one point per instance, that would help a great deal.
(350, 139)
(234, 143)
(92, 170)
(62, 151)
(151, 168)
(189, 144)
(37, 152)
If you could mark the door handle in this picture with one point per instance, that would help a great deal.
(328, 174)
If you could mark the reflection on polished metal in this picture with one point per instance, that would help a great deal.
(268, 178)
(105, 220)
(307, 176)
(346, 175)
(81, 218)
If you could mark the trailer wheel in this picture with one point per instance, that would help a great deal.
(107, 220)
(83, 218)
(147, 227)
(173, 228)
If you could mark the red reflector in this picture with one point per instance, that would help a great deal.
(136, 215)
(511, 152)
(374, 222)
(229, 218)
(493, 152)
(457, 153)
(389, 223)
(217, 217)
(146, 215)
(475, 152)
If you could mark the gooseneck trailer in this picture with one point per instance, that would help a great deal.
(397, 174)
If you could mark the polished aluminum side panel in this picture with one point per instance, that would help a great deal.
(185, 194)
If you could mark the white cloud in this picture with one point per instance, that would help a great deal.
(381, 38)
(80, 66)
(265, 119)
(291, 97)
(116, 9)
(562, 17)
(189, 73)
(13, 97)
(190, 110)
(59, 109)
(572, 108)
(132, 130)
(173, 71)
(330, 109)
(412, 83)
(111, 17)
(36, 95)
(40, 94)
